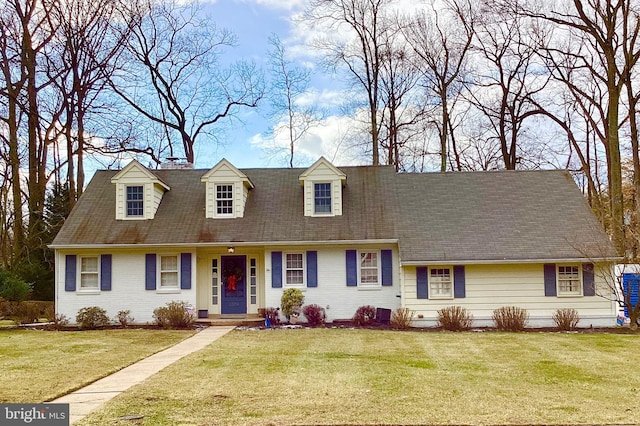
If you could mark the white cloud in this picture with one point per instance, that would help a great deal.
(336, 138)
(278, 4)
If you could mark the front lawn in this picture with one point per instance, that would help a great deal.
(344, 376)
(39, 366)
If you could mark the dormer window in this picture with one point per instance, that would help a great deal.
(322, 187)
(224, 200)
(135, 203)
(322, 198)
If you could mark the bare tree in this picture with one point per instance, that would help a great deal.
(289, 83)
(441, 40)
(359, 27)
(175, 79)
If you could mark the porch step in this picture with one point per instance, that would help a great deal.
(237, 320)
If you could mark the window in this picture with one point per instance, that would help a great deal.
(168, 271)
(135, 204)
(89, 273)
(569, 281)
(224, 199)
(369, 268)
(294, 267)
(214, 281)
(322, 198)
(253, 280)
(440, 283)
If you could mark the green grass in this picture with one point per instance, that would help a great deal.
(343, 376)
(39, 366)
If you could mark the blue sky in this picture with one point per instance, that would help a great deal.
(253, 21)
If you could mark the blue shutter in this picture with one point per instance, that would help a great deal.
(150, 272)
(459, 290)
(550, 279)
(70, 272)
(276, 269)
(312, 269)
(422, 282)
(105, 272)
(588, 283)
(352, 268)
(185, 271)
(387, 267)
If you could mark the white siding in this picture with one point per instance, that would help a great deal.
(489, 287)
(127, 289)
(332, 293)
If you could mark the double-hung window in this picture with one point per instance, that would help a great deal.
(135, 201)
(169, 271)
(440, 283)
(224, 200)
(569, 280)
(369, 268)
(294, 267)
(89, 273)
(322, 198)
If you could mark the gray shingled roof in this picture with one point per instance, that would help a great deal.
(479, 216)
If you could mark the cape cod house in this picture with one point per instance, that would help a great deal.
(228, 241)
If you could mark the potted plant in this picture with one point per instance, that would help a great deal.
(291, 303)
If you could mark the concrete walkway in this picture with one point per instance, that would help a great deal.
(85, 400)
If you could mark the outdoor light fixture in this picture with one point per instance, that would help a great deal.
(231, 250)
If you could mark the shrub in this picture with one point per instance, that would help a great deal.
(510, 318)
(60, 321)
(454, 318)
(365, 315)
(174, 315)
(27, 311)
(124, 318)
(92, 317)
(274, 316)
(291, 298)
(566, 319)
(401, 318)
(315, 314)
(13, 288)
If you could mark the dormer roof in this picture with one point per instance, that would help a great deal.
(323, 163)
(225, 166)
(135, 166)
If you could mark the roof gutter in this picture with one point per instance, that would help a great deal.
(223, 244)
(507, 261)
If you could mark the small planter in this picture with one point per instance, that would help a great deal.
(293, 319)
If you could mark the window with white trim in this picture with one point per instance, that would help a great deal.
(440, 283)
(89, 273)
(569, 280)
(168, 271)
(135, 201)
(322, 198)
(294, 269)
(369, 268)
(224, 199)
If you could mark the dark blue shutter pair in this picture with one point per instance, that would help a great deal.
(276, 269)
(150, 271)
(588, 281)
(71, 269)
(459, 282)
(386, 264)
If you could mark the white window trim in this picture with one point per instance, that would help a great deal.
(126, 201)
(304, 270)
(313, 196)
(216, 199)
(87, 290)
(440, 296)
(377, 284)
(580, 281)
(167, 289)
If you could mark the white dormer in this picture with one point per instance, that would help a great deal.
(226, 191)
(138, 192)
(323, 184)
